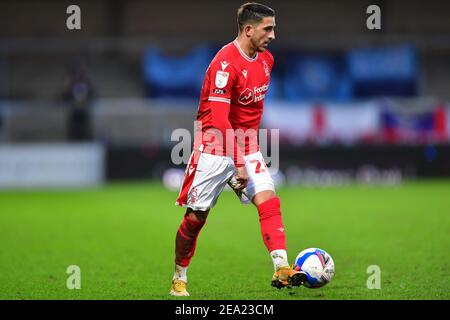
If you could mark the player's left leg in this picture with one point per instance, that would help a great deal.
(273, 233)
(261, 191)
(272, 227)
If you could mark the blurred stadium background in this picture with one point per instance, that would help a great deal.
(84, 108)
(349, 102)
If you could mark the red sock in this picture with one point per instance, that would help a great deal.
(186, 240)
(272, 228)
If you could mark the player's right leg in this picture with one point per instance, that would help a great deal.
(185, 244)
(206, 177)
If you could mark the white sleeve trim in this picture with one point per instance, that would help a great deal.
(219, 99)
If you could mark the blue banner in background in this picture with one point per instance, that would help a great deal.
(304, 77)
(390, 71)
(178, 76)
(316, 77)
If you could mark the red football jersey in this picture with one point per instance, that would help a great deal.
(237, 84)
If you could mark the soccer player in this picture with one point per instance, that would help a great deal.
(226, 148)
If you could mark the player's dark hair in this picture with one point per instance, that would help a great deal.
(252, 12)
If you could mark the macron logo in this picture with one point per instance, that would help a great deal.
(191, 169)
(244, 72)
(224, 65)
(281, 229)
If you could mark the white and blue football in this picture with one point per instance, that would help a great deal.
(318, 266)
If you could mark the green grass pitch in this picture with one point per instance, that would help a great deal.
(122, 238)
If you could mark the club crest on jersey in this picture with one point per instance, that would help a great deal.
(193, 196)
(266, 68)
(221, 79)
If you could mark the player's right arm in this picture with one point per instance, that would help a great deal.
(223, 77)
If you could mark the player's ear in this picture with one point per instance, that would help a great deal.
(248, 30)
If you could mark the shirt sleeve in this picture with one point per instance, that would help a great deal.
(223, 77)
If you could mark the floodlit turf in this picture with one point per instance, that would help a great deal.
(122, 238)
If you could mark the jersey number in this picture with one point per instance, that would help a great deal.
(258, 166)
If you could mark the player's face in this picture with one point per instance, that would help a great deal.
(263, 34)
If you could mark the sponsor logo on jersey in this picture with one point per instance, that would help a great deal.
(261, 89)
(260, 92)
(224, 65)
(244, 72)
(246, 96)
(257, 94)
(221, 79)
(219, 91)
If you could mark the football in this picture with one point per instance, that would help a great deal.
(318, 266)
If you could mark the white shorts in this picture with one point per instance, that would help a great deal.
(207, 175)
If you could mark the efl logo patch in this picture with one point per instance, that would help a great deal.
(221, 79)
(219, 91)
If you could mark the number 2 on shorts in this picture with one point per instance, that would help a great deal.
(258, 166)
